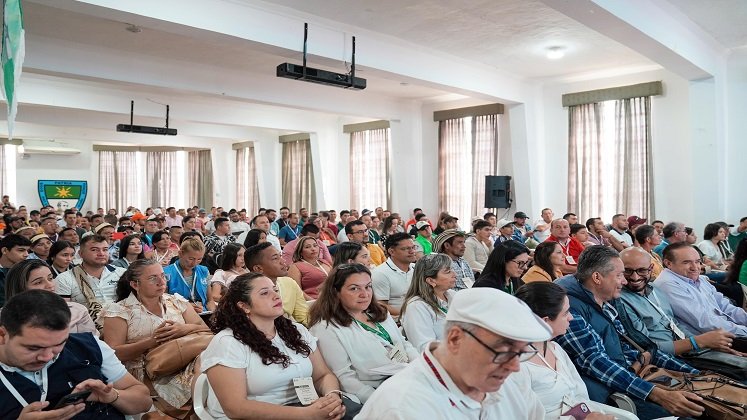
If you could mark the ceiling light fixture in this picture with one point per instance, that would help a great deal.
(555, 53)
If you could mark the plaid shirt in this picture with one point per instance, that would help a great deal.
(586, 349)
(462, 270)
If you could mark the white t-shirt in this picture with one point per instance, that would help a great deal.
(390, 283)
(541, 236)
(105, 288)
(271, 384)
(622, 237)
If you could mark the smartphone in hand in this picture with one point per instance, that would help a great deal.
(74, 398)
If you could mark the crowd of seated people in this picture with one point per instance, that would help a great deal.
(373, 316)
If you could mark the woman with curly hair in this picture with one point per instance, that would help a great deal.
(256, 354)
(359, 339)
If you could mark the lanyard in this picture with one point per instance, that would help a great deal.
(438, 376)
(379, 331)
(192, 295)
(14, 391)
(678, 332)
(565, 248)
(318, 265)
(295, 233)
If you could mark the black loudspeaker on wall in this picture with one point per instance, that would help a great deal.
(497, 192)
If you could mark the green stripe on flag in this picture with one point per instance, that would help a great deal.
(62, 191)
(11, 56)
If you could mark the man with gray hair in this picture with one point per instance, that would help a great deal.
(467, 375)
(451, 242)
(673, 233)
(597, 342)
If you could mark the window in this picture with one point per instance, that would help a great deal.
(200, 173)
(468, 151)
(247, 186)
(298, 175)
(117, 180)
(369, 169)
(609, 158)
(161, 174)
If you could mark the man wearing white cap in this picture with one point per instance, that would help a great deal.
(466, 376)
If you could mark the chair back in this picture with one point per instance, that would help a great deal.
(199, 398)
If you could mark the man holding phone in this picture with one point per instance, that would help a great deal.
(42, 366)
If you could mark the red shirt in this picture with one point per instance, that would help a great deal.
(573, 249)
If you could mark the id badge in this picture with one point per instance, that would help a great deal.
(397, 353)
(569, 260)
(579, 411)
(305, 390)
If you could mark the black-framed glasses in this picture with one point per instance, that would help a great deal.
(521, 264)
(501, 357)
(642, 272)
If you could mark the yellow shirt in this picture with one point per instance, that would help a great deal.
(376, 254)
(535, 273)
(294, 303)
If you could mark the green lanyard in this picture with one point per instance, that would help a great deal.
(380, 331)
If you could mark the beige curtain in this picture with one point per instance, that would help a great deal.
(454, 171)
(200, 176)
(117, 180)
(298, 175)
(485, 147)
(633, 156)
(369, 169)
(585, 194)
(247, 185)
(3, 169)
(609, 158)
(160, 174)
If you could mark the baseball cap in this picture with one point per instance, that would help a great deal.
(635, 221)
(503, 223)
(450, 219)
(478, 307)
(421, 224)
(520, 215)
(365, 212)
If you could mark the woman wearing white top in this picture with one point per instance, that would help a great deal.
(359, 339)
(257, 353)
(423, 314)
(231, 266)
(553, 377)
(712, 235)
(478, 246)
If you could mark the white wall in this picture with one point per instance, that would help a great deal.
(735, 191)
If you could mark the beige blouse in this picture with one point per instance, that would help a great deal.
(535, 273)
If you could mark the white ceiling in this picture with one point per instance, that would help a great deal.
(61, 24)
(511, 35)
(724, 20)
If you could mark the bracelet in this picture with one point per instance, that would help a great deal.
(694, 343)
(115, 398)
(334, 391)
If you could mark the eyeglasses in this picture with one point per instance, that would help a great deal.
(156, 280)
(359, 231)
(642, 272)
(521, 264)
(501, 357)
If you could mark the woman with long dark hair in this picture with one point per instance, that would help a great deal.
(61, 256)
(551, 372)
(548, 258)
(357, 335)
(254, 237)
(737, 276)
(351, 253)
(130, 250)
(36, 274)
(256, 354)
(504, 268)
(231, 263)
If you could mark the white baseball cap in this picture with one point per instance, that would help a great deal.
(499, 313)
